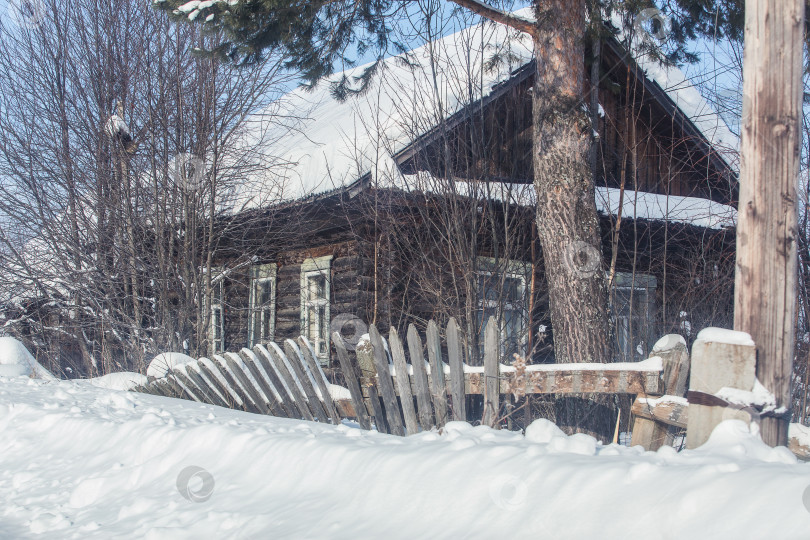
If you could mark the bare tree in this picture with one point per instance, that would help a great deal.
(122, 154)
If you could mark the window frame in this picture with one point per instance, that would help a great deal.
(320, 266)
(265, 273)
(646, 284)
(503, 269)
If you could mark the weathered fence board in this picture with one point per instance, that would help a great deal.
(420, 380)
(232, 386)
(491, 373)
(297, 365)
(248, 388)
(456, 371)
(385, 384)
(352, 377)
(265, 360)
(403, 382)
(319, 378)
(271, 396)
(277, 356)
(438, 388)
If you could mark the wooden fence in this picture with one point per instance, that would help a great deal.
(403, 386)
(399, 386)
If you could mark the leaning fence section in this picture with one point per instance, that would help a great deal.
(402, 385)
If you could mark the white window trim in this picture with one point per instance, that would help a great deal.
(510, 268)
(261, 273)
(311, 267)
(217, 302)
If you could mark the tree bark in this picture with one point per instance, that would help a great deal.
(567, 222)
(765, 280)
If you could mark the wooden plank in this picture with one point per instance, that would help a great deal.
(164, 388)
(403, 382)
(438, 388)
(352, 381)
(297, 363)
(178, 388)
(221, 364)
(189, 386)
(491, 374)
(269, 396)
(384, 383)
(202, 377)
(573, 381)
(277, 356)
(377, 410)
(664, 410)
(287, 405)
(456, 371)
(364, 353)
(215, 386)
(320, 380)
(253, 393)
(420, 379)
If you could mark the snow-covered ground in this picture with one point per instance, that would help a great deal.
(79, 461)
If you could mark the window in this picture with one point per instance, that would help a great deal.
(217, 322)
(502, 294)
(634, 314)
(262, 324)
(315, 294)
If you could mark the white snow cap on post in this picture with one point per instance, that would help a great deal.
(16, 361)
(721, 335)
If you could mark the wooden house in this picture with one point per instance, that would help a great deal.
(415, 201)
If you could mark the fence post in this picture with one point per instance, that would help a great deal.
(720, 358)
(675, 361)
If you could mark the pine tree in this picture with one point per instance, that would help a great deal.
(315, 35)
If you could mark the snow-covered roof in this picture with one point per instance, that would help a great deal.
(694, 211)
(328, 144)
(325, 144)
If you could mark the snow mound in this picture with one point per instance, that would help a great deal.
(162, 363)
(16, 361)
(122, 380)
(80, 461)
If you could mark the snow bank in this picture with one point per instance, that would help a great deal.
(161, 364)
(122, 380)
(16, 361)
(79, 461)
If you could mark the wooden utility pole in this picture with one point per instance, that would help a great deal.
(765, 281)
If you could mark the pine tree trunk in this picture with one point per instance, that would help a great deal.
(567, 222)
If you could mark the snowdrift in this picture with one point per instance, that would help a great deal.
(79, 461)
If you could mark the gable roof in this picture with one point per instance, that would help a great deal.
(327, 145)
